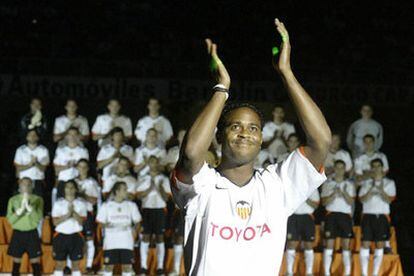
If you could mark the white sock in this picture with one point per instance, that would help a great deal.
(90, 253)
(40, 228)
(160, 255)
(364, 259)
(58, 273)
(107, 273)
(387, 244)
(378, 254)
(327, 261)
(309, 261)
(143, 250)
(76, 273)
(178, 253)
(290, 260)
(346, 259)
(126, 273)
(54, 195)
(68, 262)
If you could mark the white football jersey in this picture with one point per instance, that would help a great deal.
(154, 199)
(122, 216)
(305, 208)
(105, 123)
(339, 204)
(64, 155)
(61, 208)
(246, 223)
(363, 162)
(360, 128)
(129, 180)
(277, 147)
(23, 157)
(377, 205)
(161, 124)
(339, 155)
(107, 152)
(63, 123)
(142, 153)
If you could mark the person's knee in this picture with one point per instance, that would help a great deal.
(291, 244)
(159, 238)
(109, 268)
(126, 268)
(345, 244)
(146, 238)
(75, 265)
(60, 265)
(179, 240)
(309, 245)
(379, 245)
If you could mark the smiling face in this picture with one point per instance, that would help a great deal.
(242, 136)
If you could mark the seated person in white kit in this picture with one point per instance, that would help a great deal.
(68, 214)
(121, 220)
(338, 195)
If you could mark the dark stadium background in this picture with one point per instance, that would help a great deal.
(365, 44)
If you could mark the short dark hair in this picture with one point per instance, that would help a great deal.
(117, 130)
(339, 161)
(116, 187)
(82, 160)
(377, 160)
(233, 106)
(369, 136)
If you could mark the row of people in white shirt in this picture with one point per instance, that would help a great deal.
(338, 195)
(359, 168)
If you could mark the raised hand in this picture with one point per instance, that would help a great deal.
(219, 71)
(282, 65)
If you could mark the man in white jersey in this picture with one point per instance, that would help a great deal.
(70, 119)
(91, 192)
(360, 128)
(108, 155)
(235, 216)
(149, 148)
(337, 153)
(338, 196)
(376, 195)
(154, 190)
(301, 227)
(66, 158)
(363, 169)
(121, 221)
(122, 174)
(154, 120)
(31, 161)
(101, 129)
(68, 214)
(275, 133)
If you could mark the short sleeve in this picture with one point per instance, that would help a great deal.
(102, 217)
(59, 158)
(385, 161)
(267, 132)
(350, 189)
(390, 189)
(139, 157)
(299, 178)
(326, 189)
(84, 154)
(166, 185)
(183, 193)
(142, 184)
(358, 166)
(82, 209)
(289, 129)
(18, 157)
(84, 127)
(315, 196)
(136, 216)
(168, 130)
(103, 154)
(127, 127)
(96, 128)
(57, 210)
(140, 130)
(56, 127)
(364, 189)
(108, 184)
(44, 158)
